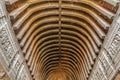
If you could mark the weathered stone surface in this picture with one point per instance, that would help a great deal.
(11, 56)
(75, 40)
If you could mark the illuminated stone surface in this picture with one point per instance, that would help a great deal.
(60, 39)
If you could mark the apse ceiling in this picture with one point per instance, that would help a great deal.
(61, 38)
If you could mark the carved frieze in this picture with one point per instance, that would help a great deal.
(6, 45)
(112, 43)
(10, 53)
(113, 49)
(23, 74)
(12, 56)
(17, 62)
(98, 73)
(109, 59)
(106, 66)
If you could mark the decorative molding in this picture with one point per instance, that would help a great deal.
(109, 56)
(11, 56)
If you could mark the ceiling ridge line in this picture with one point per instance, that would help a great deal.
(59, 43)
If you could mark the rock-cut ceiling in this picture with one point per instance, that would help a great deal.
(61, 38)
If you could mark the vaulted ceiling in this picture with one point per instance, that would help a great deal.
(61, 39)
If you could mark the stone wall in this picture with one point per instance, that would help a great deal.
(11, 57)
(10, 54)
(108, 62)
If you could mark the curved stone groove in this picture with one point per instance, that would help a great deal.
(60, 39)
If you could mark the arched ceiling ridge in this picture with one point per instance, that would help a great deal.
(60, 37)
